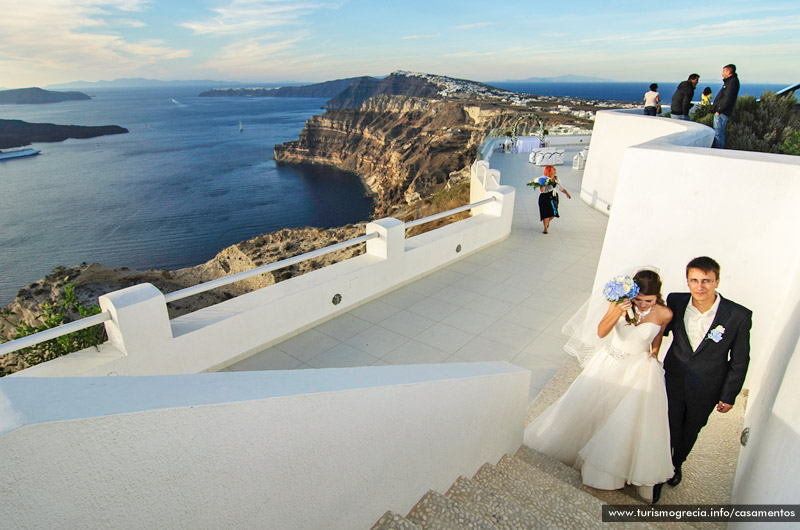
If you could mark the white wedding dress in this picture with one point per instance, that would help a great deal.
(612, 422)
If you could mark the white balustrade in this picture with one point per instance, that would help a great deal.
(143, 340)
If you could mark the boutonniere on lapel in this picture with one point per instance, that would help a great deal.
(716, 334)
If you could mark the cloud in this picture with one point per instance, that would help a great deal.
(148, 50)
(254, 51)
(245, 16)
(738, 29)
(126, 23)
(471, 54)
(476, 25)
(58, 37)
(410, 37)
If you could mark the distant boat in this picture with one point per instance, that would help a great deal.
(15, 153)
(240, 126)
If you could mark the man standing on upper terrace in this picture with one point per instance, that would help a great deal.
(682, 98)
(724, 103)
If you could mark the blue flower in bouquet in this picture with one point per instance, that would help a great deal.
(541, 182)
(620, 287)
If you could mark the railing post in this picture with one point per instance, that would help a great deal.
(139, 319)
(482, 180)
(503, 207)
(477, 177)
(391, 242)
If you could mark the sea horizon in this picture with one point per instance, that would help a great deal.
(628, 91)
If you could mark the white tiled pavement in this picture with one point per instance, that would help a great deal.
(507, 302)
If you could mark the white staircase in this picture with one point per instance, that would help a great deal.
(530, 490)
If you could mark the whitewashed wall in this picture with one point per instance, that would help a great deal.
(143, 341)
(768, 466)
(300, 449)
(613, 132)
(674, 203)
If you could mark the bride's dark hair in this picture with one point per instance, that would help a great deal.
(649, 283)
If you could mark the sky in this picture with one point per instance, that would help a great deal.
(272, 41)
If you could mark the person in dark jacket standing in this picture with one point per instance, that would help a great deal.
(682, 98)
(706, 364)
(724, 103)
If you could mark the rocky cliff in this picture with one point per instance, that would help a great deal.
(356, 94)
(403, 147)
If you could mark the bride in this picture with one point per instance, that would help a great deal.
(612, 422)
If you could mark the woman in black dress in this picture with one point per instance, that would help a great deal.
(548, 198)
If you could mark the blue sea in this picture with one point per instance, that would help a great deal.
(183, 184)
(633, 92)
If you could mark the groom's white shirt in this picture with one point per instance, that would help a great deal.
(697, 323)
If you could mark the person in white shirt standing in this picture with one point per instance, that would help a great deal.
(652, 101)
(707, 362)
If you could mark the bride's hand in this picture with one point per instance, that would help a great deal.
(624, 306)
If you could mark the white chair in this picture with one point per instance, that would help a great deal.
(547, 156)
(578, 161)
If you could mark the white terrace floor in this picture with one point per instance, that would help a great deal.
(507, 302)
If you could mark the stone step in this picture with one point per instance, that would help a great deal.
(499, 508)
(576, 495)
(393, 521)
(626, 495)
(540, 464)
(557, 507)
(544, 482)
(434, 511)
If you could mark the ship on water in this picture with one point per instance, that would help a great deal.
(16, 153)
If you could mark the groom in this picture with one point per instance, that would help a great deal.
(707, 361)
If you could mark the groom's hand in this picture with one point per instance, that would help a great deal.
(723, 407)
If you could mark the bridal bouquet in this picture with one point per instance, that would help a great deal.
(542, 182)
(619, 288)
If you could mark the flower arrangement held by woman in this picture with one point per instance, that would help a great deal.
(548, 195)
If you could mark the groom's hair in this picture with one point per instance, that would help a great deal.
(705, 264)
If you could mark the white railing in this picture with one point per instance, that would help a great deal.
(66, 329)
(203, 287)
(448, 213)
(50, 334)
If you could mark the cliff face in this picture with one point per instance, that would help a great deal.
(396, 84)
(403, 147)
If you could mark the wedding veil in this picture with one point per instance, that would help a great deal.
(581, 328)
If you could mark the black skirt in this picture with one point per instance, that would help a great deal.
(548, 205)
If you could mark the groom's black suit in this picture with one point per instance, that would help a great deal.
(698, 379)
